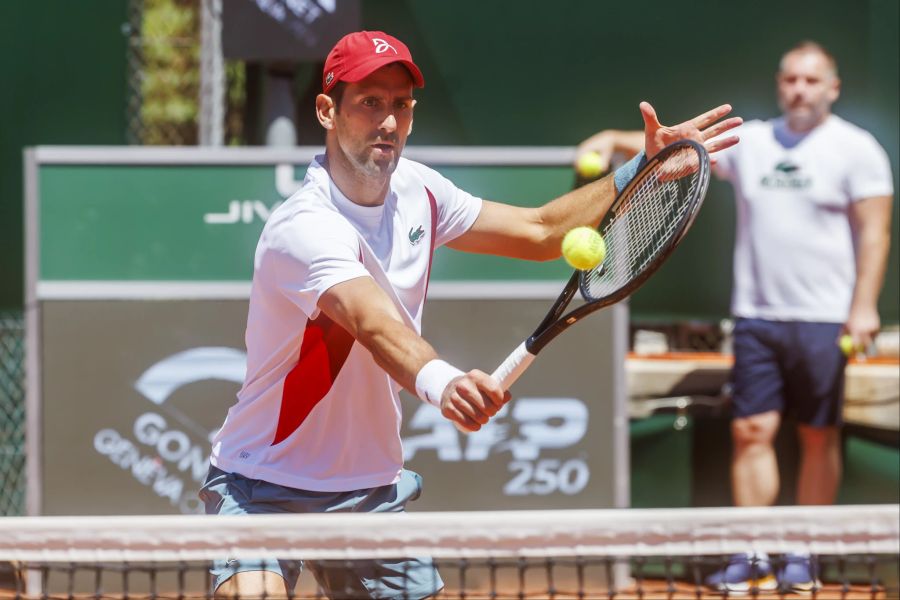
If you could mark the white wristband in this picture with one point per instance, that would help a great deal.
(433, 378)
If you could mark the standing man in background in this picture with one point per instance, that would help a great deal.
(814, 196)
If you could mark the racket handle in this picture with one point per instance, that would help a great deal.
(513, 367)
(509, 371)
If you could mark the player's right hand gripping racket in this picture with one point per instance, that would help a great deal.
(643, 226)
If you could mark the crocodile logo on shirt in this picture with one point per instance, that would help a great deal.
(786, 166)
(786, 175)
(416, 236)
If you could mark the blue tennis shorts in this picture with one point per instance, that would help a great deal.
(411, 578)
(793, 367)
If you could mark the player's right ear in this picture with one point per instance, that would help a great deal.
(325, 111)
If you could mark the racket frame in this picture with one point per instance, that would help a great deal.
(553, 324)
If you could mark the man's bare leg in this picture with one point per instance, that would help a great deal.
(754, 466)
(820, 464)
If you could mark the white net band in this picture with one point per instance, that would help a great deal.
(836, 530)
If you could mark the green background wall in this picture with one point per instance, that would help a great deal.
(499, 73)
(62, 81)
(552, 73)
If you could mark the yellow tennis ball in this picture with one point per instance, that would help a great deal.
(583, 248)
(591, 165)
(847, 345)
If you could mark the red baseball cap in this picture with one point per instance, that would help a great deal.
(357, 55)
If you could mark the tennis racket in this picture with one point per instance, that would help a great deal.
(642, 228)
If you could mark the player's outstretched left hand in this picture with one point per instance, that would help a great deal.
(704, 129)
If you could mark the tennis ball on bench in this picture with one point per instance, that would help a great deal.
(583, 248)
(591, 165)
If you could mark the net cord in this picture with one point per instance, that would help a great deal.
(838, 530)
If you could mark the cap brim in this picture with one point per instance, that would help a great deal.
(367, 68)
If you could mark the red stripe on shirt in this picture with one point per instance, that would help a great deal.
(434, 215)
(324, 350)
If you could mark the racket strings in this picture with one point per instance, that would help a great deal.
(644, 224)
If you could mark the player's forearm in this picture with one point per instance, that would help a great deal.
(871, 263)
(548, 224)
(536, 233)
(364, 310)
(870, 219)
(585, 206)
(397, 349)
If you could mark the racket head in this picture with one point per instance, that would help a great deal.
(647, 221)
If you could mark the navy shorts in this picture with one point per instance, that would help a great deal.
(408, 578)
(793, 367)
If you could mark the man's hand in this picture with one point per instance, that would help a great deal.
(472, 399)
(862, 325)
(702, 129)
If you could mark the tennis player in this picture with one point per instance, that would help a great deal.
(340, 278)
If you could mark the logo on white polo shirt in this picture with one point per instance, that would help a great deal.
(416, 236)
(786, 175)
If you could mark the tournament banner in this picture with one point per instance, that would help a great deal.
(140, 277)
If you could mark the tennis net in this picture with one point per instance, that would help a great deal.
(629, 553)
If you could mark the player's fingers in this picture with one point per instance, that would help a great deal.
(721, 127)
(490, 388)
(499, 402)
(490, 409)
(465, 407)
(651, 122)
(721, 143)
(467, 423)
(469, 401)
(711, 116)
(863, 339)
(470, 392)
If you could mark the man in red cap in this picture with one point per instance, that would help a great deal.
(339, 283)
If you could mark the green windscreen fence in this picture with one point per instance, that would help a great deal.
(12, 413)
(201, 222)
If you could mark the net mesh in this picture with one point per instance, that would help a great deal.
(853, 551)
(641, 226)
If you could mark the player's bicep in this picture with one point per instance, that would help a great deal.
(501, 229)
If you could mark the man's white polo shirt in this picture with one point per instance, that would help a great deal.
(315, 411)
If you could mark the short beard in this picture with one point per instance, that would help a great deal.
(366, 166)
(805, 121)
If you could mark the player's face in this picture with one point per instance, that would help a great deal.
(807, 87)
(374, 119)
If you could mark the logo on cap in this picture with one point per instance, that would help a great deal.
(329, 78)
(382, 46)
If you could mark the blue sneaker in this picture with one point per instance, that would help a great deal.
(744, 574)
(799, 574)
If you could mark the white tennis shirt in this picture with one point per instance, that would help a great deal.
(794, 251)
(315, 411)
